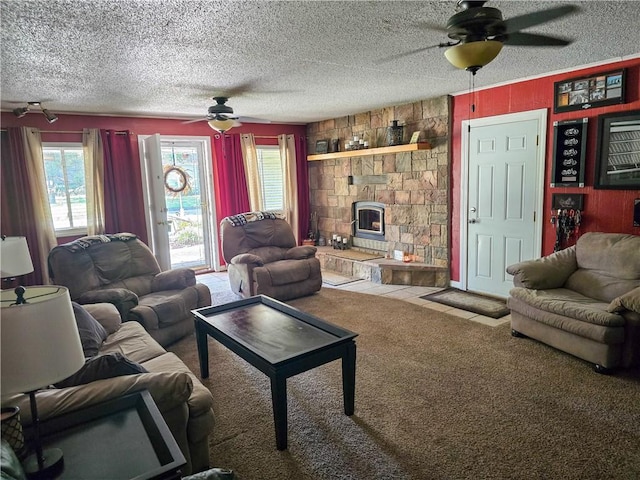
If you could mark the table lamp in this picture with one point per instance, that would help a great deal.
(15, 261)
(40, 346)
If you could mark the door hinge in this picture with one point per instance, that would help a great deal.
(537, 140)
(534, 216)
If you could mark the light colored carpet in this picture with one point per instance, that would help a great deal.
(471, 302)
(437, 397)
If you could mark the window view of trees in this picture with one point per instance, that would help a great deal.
(64, 171)
(272, 177)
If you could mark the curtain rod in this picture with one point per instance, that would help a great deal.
(76, 132)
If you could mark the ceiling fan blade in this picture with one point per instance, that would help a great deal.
(535, 18)
(194, 120)
(253, 120)
(412, 52)
(522, 39)
(430, 26)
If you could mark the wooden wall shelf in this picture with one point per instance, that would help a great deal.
(409, 147)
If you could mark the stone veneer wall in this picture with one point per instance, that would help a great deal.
(416, 192)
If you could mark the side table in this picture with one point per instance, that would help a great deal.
(120, 439)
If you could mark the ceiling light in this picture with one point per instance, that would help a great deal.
(472, 56)
(50, 116)
(221, 125)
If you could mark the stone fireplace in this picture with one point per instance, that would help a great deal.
(412, 186)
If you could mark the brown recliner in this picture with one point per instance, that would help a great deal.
(263, 259)
(121, 270)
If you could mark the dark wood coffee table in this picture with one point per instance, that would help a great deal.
(281, 342)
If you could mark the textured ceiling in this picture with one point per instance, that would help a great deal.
(294, 62)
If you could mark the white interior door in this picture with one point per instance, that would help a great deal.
(504, 199)
(156, 203)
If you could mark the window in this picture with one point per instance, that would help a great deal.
(64, 171)
(271, 172)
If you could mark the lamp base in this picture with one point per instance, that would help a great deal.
(52, 464)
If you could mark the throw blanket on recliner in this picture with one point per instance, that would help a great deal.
(85, 242)
(244, 218)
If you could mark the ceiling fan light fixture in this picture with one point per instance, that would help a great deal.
(473, 55)
(222, 125)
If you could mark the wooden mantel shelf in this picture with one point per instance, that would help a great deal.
(409, 147)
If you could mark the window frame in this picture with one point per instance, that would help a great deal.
(62, 146)
(261, 176)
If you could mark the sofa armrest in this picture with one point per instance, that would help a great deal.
(123, 299)
(168, 389)
(176, 279)
(628, 301)
(106, 314)
(301, 252)
(247, 258)
(547, 272)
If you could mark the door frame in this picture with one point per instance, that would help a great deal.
(539, 115)
(208, 193)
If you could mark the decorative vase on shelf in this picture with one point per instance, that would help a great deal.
(394, 134)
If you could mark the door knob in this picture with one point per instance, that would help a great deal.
(473, 209)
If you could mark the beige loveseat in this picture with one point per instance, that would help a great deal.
(185, 404)
(263, 258)
(584, 300)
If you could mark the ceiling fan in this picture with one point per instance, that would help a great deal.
(478, 33)
(221, 117)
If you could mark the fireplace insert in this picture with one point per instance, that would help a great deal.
(368, 220)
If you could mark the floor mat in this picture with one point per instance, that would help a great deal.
(472, 302)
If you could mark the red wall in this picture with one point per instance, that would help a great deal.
(139, 126)
(604, 210)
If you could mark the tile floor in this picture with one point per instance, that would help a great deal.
(218, 282)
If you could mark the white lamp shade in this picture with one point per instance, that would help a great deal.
(40, 340)
(222, 125)
(14, 257)
(473, 54)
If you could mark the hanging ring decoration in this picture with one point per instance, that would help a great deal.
(176, 180)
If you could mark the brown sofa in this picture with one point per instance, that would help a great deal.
(185, 404)
(584, 300)
(121, 270)
(263, 259)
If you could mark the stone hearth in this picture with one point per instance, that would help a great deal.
(384, 270)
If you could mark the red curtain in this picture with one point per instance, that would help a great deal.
(17, 205)
(302, 172)
(123, 198)
(230, 183)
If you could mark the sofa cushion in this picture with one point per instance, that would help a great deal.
(106, 314)
(284, 272)
(568, 303)
(134, 342)
(608, 265)
(168, 306)
(628, 301)
(546, 272)
(92, 334)
(607, 335)
(269, 254)
(614, 254)
(200, 400)
(109, 365)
